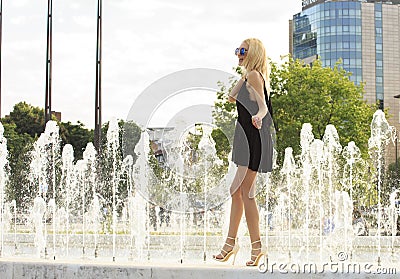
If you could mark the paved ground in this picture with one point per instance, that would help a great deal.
(43, 269)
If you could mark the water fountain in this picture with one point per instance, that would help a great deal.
(3, 180)
(66, 189)
(381, 134)
(112, 148)
(308, 210)
(288, 170)
(306, 138)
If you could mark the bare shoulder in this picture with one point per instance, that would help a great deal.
(254, 78)
(255, 81)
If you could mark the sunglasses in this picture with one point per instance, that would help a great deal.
(240, 51)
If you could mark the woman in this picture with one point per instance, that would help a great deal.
(252, 147)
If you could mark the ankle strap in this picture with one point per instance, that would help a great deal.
(254, 242)
(229, 237)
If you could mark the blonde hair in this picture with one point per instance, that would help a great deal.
(256, 58)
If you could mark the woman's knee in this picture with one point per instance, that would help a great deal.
(237, 195)
(248, 199)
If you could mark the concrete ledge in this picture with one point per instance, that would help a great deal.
(44, 269)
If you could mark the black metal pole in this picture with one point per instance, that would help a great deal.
(397, 164)
(1, 31)
(1, 209)
(47, 107)
(97, 127)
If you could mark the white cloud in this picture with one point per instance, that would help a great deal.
(18, 20)
(84, 21)
(19, 3)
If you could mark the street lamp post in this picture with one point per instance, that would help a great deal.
(397, 164)
(47, 107)
(97, 125)
(1, 31)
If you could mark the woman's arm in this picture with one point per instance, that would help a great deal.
(235, 91)
(255, 87)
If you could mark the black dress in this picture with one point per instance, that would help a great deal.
(252, 147)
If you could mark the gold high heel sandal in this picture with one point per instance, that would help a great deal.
(228, 254)
(263, 252)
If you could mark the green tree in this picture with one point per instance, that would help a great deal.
(129, 135)
(319, 96)
(18, 146)
(30, 120)
(27, 119)
(76, 135)
(22, 128)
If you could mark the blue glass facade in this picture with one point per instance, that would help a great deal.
(332, 31)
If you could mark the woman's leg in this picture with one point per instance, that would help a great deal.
(236, 210)
(237, 201)
(251, 210)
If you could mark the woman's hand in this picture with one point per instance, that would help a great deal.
(257, 121)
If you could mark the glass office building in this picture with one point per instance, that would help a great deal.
(331, 30)
(363, 34)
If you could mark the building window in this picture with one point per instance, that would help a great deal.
(327, 29)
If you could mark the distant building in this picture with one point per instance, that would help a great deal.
(57, 114)
(365, 34)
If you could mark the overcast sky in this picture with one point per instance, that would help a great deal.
(142, 42)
